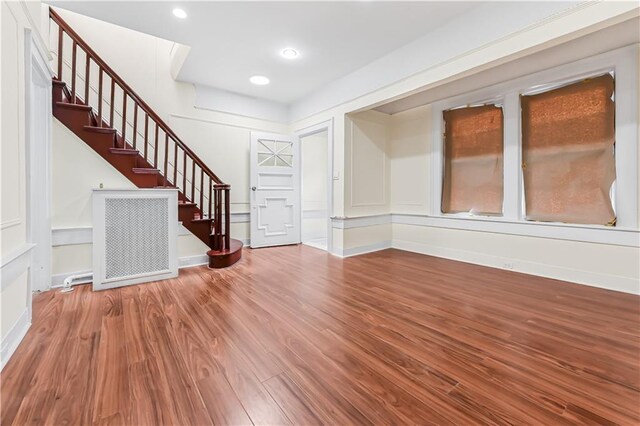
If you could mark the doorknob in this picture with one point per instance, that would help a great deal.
(253, 188)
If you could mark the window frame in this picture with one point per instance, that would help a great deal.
(496, 101)
(624, 64)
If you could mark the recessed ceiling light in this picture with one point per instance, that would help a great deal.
(179, 13)
(259, 80)
(289, 53)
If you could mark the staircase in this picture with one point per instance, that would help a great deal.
(137, 142)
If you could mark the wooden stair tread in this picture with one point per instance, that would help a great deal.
(124, 151)
(99, 129)
(226, 257)
(202, 219)
(145, 171)
(73, 106)
(187, 204)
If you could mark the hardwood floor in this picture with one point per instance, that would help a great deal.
(291, 335)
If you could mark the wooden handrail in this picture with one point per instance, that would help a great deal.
(126, 88)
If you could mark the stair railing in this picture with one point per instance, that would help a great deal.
(199, 184)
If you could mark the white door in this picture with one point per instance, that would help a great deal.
(275, 190)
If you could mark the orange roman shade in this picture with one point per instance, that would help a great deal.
(473, 166)
(568, 153)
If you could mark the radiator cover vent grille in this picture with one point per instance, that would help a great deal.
(137, 238)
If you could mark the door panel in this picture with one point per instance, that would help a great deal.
(275, 190)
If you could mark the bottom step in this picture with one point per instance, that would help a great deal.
(227, 257)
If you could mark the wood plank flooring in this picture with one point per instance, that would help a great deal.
(291, 335)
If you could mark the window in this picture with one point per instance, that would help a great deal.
(473, 153)
(569, 156)
(568, 153)
(273, 153)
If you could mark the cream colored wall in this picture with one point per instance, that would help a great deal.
(15, 297)
(366, 164)
(13, 209)
(366, 239)
(409, 149)
(71, 196)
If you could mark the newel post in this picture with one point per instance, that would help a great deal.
(227, 217)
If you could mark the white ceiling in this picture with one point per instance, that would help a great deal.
(231, 41)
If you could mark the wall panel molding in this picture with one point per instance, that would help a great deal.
(84, 234)
(14, 337)
(588, 234)
(578, 233)
(13, 148)
(14, 264)
(383, 166)
(360, 221)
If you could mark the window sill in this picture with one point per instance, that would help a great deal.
(559, 231)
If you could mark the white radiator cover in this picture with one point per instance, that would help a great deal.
(135, 235)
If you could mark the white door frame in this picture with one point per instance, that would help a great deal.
(38, 125)
(310, 131)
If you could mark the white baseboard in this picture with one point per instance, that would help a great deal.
(593, 279)
(57, 280)
(187, 261)
(14, 337)
(354, 251)
(314, 235)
